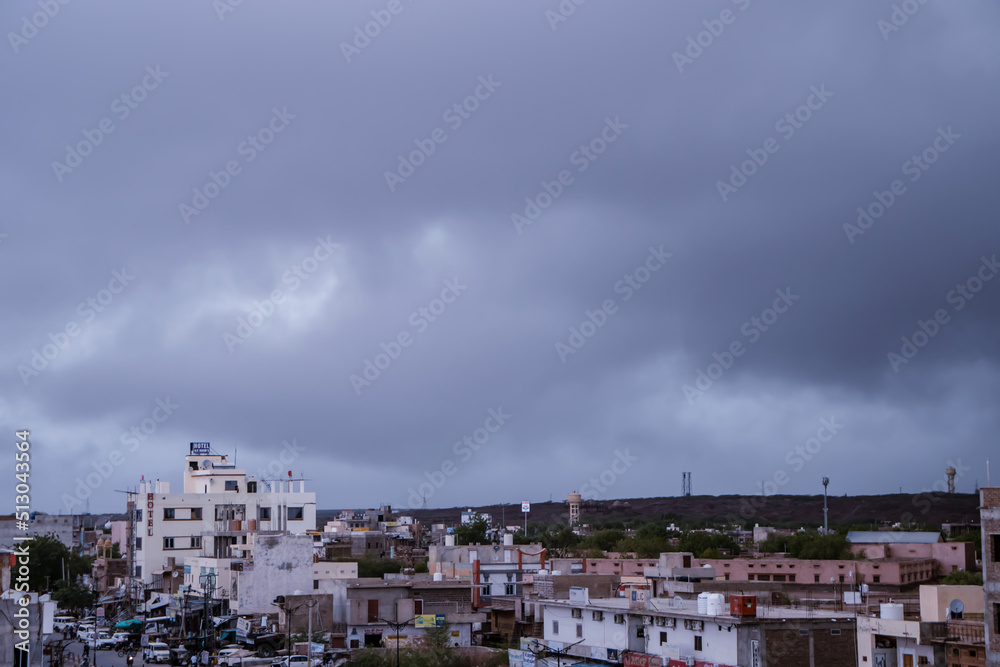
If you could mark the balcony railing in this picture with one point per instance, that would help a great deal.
(963, 632)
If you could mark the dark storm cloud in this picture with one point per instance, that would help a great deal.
(206, 91)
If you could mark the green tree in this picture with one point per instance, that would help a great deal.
(73, 597)
(963, 578)
(605, 539)
(473, 532)
(48, 558)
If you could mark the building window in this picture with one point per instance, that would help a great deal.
(640, 631)
(138, 544)
(168, 543)
(835, 632)
(251, 487)
(597, 615)
(168, 513)
(196, 513)
(922, 660)
(576, 613)
(749, 577)
(265, 514)
(138, 515)
(138, 570)
(815, 578)
(779, 577)
(876, 579)
(791, 578)
(555, 627)
(996, 618)
(579, 630)
(620, 618)
(196, 542)
(764, 577)
(508, 589)
(315, 584)
(726, 575)
(663, 637)
(697, 643)
(295, 513)
(231, 485)
(841, 578)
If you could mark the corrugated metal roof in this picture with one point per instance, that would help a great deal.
(880, 537)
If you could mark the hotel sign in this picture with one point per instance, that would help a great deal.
(200, 448)
(149, 515)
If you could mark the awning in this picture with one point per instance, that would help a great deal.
(131, 623)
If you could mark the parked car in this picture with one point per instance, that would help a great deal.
(104, 640)
(85, 633)
(157, 652)
(233, 655)
(296, 661)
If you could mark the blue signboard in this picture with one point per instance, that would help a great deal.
(200, 448)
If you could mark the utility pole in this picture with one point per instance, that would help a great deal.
(396, 626)
(559, 653)
(826, 525)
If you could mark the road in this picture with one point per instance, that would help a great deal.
(102, 658)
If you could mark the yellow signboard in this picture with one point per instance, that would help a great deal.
(428, 620)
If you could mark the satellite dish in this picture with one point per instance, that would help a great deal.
(956, 607)
(176, 574)
(206, 464)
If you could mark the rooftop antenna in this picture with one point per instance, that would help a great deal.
(988, 482)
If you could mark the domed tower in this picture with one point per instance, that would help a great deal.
(950, 472)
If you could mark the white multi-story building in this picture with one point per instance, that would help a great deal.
(216, 516)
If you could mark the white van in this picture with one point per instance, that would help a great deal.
(60, 623)
(157, 652)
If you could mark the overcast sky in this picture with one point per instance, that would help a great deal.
(507, 168)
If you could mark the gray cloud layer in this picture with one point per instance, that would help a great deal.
(551, 92)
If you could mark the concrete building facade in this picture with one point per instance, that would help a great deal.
(989, 515)
(216, 515)
(673, 632)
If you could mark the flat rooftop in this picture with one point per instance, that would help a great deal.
(689, 609)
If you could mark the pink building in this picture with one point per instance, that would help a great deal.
(625, 567)
(891, 572)
(894, 572)
(950, 556)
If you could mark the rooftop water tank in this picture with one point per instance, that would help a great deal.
(891, 610)
(438, 576)
(449, 540)
(716, 604)
(508, 540)
(703, 603)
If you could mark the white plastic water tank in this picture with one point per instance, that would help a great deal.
(703, 603)
(449, 540)
(891, 610)
(716, 604)
(508, 540)
(439, 576)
